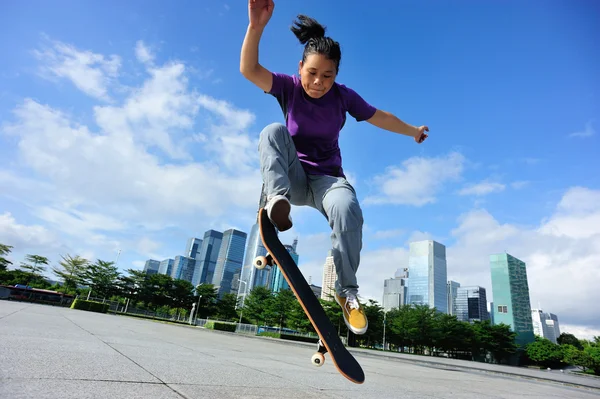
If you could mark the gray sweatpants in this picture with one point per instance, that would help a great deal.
(334, 197)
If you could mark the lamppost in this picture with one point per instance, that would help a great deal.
(198, 306)
(243, 299)
(384, 318)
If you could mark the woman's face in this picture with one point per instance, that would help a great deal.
(318, 74)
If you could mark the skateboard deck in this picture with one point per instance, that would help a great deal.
(329, 339)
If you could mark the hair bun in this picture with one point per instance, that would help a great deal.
(306, 28)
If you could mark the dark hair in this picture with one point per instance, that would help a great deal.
(312, 35)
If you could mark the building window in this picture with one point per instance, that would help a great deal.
(502, 309)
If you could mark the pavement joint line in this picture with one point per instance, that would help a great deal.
(130, 359)
(420, 362)
(442, 366)
(16, 311)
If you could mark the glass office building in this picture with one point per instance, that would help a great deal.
(452, 292)
(511, 296)
(471, 304)
(427, 284)
(251, 276)
(229, 261)
(278, 281)
(207, 257)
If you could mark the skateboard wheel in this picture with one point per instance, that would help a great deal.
(260, 262)
(318, 359)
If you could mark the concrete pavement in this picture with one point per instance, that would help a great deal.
(49, 352)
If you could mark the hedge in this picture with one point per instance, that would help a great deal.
(300, 338)
(217, 325)
(91, 306)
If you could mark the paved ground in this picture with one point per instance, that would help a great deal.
(48, 352)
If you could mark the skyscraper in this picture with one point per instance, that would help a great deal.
(151, 266)
(511, 296)
(278, 281)
(329, 278)
(229, 260)
(251, 276)
(207, 257)
(471, 304)
(394, 292)
(192, 247)
(427, 284)
(545, 325)
(166, 267)
(183, 268)
(452, 292)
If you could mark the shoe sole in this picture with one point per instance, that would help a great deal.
(280, 215)
(350, 326)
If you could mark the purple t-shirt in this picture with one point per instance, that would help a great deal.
(315, 124)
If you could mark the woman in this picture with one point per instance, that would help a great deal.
(301, 162)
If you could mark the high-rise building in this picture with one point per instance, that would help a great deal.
(329, 278)
(183, 268)
(511, 296)
(427, 284)
(166, 267)
(545, 325)
(207, 257)
(452, 289)
(151, 266)
(490, 309)
(250, 276)
(278, 281)
(192, 247)
(471, 304)
(229, 261)
(394, 292)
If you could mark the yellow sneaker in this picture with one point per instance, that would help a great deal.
(354, 315)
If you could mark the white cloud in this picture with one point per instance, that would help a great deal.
(417, 181)
(90, 72)
(561, 254)
(519, 184)
(588, 131)
(385, 234)
(143, 53)
(482, 188)
(36, 238)
(141, 167)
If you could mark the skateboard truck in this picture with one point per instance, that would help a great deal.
(318, 359)
(260, 262)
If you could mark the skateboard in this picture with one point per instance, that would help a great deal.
(329, 341)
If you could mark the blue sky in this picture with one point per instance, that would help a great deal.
(127, 125)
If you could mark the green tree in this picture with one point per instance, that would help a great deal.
(182, 295)
(401, 327)
(208, 300)
(424, 335)
(545, 353)
(70, 271)
(592, 352)
(226, 307)
(452, 335)
(335, 314)
(502, 344)
(34, 266)
(374, 334)
(257, 305)
(576, 357)
(101, 277)
(4, 250)
(281, 306)
(569, 339)
(297, 319)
